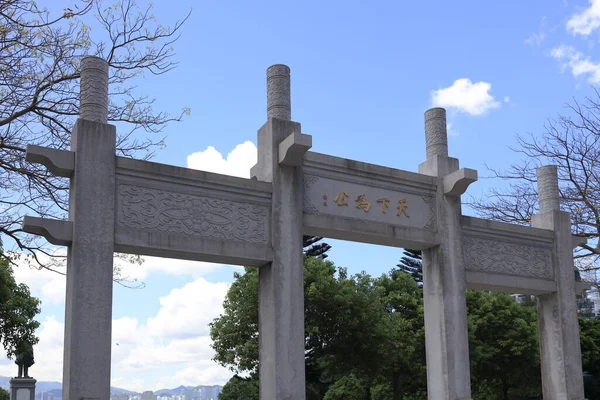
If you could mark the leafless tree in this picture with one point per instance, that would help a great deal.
(40, 54)
(572, 142)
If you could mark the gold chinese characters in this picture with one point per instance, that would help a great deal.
(362, 203)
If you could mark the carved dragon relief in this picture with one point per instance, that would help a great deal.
(172, 212)
(495, 256)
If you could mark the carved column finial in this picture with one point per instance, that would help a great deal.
(278, 92)
(547, 181)
(93, 90)
(436, 136)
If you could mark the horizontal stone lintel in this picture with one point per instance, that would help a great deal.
(55, 231)
(225, 251)
(58, 162)
(327, 166)
(368, 232)
(173, 177)
(489, 229)
(509, 283)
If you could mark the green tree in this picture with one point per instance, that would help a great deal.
(412, 263)
(40, 54)
(238, 388)
(404, 348)
(503, 345)
(4, 395)
(17, 311)
(344, 325)
(589, 329)
(313, 248)
(348, 387)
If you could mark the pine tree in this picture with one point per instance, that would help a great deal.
(312, 248)
(412, 264)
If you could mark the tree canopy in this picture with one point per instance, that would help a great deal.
(365, 337)
(570, 141)
(40, 54)
(17, 311)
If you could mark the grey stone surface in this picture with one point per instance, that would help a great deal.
(55, 231)
(278, 92)
(560, 352)
(547, 177)
(94, 89)
(293, 148)
(281, 283)
(22, 389)
(58, 162)
(457, 182)
(327, 196)
(176, 212)
(444, 280)
(88, 316)
(436, 135)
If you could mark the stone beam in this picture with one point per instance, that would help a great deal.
(55, 231)
(58, 162)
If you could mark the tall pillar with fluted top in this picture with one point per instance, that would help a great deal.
(444, 279)
(560, 351)
(281, 283)
(88, 317)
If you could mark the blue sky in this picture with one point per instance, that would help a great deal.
(363, 73)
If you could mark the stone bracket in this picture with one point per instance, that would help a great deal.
(58, 162)
(55, 231)
(578, 241)
(580, 286)
(293, 148)
(456, 183)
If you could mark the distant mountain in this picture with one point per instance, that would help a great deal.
(178, 390)
(54, 388)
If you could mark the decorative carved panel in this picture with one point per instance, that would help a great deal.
(179, 213)
(500, 257)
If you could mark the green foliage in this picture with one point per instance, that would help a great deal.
(503, 346)
(411, 263)
(4, 394)
(314, 249)
(17, 310)
(238, 388)
(348, 387)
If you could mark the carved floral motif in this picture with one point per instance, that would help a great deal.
(171, 212)
(489, 255)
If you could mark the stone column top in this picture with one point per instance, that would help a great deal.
(547, 182)
(93, 90)
(278, 92)
(436, 135)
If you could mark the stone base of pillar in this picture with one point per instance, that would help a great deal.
(22, 389)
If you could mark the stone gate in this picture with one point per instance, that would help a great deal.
(124, 205)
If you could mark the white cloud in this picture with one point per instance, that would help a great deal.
(186, 312)
(536, 39)
(238, 162)
(465, 96)
(577, 62)
(450, 130)
(587, 21)
(141, 271)
(44, 284)
(48, 353)
(506, 99)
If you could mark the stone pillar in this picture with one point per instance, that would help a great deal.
(88, 317)
(281, 283)
(444, 278)
(22, 389)
(560, 351)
